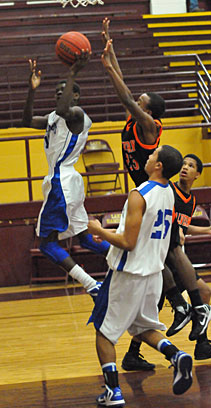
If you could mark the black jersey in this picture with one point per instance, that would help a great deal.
(185, 205)
(135, 153)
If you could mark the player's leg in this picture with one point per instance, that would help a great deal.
(86, 241)
(114, 310)
(181, 361)
(133, 360)
(204, 289)
(203, 345)
(173, 289)
(50, 248)
(107, 358)
(201, 313)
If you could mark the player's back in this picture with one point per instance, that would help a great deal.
(151, 248)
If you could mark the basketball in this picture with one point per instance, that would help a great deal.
(70, 43)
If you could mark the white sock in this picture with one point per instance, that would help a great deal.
(81, 276)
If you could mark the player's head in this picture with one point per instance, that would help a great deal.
(76, 92)
(191, 169)
(165, 160)
(196, 160)
(153, 104)
(171, 160)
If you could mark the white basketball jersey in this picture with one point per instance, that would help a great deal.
(62, 146)
(63, 188)
(149, 255)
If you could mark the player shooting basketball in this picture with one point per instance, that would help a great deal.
(63, 214)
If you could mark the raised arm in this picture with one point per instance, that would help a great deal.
(73, 115)
(143, 118)
(37, 122)
(105, 38)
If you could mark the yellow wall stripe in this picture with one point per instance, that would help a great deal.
(179, 24)
(181, 33)
(183, 43)
(158, 16)
(187, 63)
(187, 52)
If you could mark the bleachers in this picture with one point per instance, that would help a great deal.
(31, 30)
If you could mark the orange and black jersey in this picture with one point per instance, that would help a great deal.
(135, 153)
(184, 206)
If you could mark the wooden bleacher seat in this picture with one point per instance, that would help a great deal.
(111, 220)
(198, 249)
(200, 217)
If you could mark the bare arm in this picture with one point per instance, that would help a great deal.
(143, 118)
(126, 240)
(113, 57)
(106, 37)
(196, 230)
(73, 115)
(37, 122)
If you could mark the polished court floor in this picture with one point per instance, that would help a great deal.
(48, 357)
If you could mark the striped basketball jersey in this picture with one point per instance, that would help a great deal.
(152, 244)
(63, 187)
(135, 153)
(184, 206)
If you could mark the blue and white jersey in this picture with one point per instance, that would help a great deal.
(62, 146)
(149, 255)
(63, 187)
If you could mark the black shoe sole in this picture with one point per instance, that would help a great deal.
(144, 368)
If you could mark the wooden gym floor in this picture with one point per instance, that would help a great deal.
(48, 358)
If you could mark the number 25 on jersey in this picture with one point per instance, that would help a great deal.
(163, 219)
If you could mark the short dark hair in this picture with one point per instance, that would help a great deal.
(171, 160)
(198, 161)
(156, 105)
(76, 87)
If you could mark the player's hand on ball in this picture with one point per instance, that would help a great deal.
(35, 77)
(80, 61)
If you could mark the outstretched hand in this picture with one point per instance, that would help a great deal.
(35, 78)
(80, 61)
(106, 57)
(105, 31)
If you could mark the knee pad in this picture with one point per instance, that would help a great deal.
(53, 251)
(86, 241)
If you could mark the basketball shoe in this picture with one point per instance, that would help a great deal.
(182, 316)
(182, 363)
(203, 350)
(201, 316)
(132, 362)
(111, 397)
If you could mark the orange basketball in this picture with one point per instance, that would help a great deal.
(70, 43)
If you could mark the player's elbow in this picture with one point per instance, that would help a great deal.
(129, 246)
(128, 101)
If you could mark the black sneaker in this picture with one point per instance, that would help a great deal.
(203, 350)
(136, 363)
(182, 316)
(201, 316)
